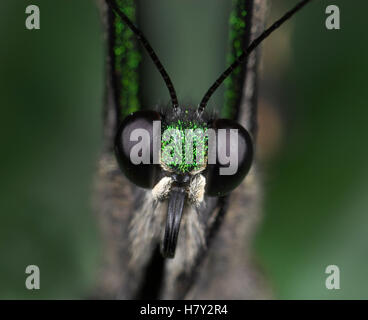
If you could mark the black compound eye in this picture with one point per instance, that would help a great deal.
(135, 145)
(231, 158)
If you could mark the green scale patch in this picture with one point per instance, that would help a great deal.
(237, 44)
(127, 59)
(184, 146)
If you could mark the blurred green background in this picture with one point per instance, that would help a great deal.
(312, 91)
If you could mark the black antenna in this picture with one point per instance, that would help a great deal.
(150, 51)
(246, 53)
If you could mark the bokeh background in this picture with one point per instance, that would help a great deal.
(312, 142)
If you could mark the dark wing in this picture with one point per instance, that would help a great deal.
(114, 199)
(239, 36)
(123, 60)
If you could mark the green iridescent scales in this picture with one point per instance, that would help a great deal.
(237, 43)
(127, 60)
(173, 153)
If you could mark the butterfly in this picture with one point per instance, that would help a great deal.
(175, 156)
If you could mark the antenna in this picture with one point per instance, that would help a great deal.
(246, 53)
(150, 51)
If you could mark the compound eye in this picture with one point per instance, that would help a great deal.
(231, 158)
(134, 147)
